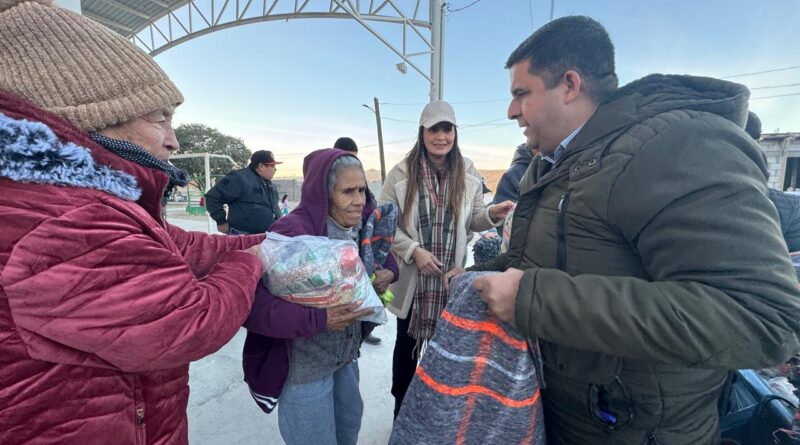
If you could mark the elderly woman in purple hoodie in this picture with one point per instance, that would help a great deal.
(307, 356)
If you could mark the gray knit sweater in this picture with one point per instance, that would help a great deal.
(314, 358)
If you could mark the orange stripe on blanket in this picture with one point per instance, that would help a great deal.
(377, 238)
(486, 326)
(384, 238)
(477, 372)
(474, 389)
(532, 427)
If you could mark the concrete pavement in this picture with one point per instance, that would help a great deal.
(221, 411)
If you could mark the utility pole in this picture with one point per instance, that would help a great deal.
(437, 49)
(380, 140)
(377, 111)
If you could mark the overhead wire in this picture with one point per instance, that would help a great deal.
(530, 10)
(449, 9)
(482, 101)
(776, 86)
(762, 72)
(777, 95)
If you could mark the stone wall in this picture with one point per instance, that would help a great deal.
(772, 144)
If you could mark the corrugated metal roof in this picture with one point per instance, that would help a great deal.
(127, 17)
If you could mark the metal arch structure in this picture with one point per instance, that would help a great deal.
(158, 25)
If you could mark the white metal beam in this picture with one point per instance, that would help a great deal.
(195, 18)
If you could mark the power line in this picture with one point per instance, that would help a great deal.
(530, 10)
(479, 124)
(482, 124)
(397, 120)
(449, 9)
(776, 86)
(506, 99)
(778, 95)
(451, 103)
(762, 72)
(488, 125)
(391, 142)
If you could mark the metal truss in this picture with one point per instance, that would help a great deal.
(421, 20)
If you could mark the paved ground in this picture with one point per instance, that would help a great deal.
(221, 411)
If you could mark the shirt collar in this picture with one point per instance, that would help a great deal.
(558, 153)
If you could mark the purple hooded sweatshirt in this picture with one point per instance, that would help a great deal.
(274, 322)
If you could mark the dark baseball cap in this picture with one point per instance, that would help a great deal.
(263, 157)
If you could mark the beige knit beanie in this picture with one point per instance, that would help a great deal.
(77, 68)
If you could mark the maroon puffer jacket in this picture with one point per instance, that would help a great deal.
(102, 303)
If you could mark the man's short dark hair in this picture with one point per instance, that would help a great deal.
(346, 144)
(571, 43)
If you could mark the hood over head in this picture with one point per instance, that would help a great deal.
(659, 93)
(523, 155)
(310, 217)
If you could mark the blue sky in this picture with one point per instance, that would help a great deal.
(295, 86)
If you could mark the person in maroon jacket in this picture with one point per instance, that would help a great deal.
(307, 356)
(103, 303)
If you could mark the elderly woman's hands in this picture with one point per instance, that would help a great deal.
(427, 262)
(342, 316)
(383, 278)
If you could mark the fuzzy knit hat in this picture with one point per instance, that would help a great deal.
(77, 68)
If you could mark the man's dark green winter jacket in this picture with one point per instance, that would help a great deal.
(653, 264)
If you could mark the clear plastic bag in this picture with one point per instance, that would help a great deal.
(507, 230)
(318, 272)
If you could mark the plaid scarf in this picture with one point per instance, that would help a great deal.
(437, 229)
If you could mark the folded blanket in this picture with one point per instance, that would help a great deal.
(377, 236)
(476, 383)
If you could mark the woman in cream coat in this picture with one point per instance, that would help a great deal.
(432, 236)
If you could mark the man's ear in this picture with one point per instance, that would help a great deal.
(573, 81)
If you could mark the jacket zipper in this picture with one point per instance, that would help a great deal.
(138, 401)
(139, 417)
(561, 249)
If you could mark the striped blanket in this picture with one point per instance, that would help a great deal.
(476, 382)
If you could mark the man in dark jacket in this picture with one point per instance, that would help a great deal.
(252, 199)
(508, 187)
(787, 204)
(645, 255)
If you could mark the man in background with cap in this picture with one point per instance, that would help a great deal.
(252, 199)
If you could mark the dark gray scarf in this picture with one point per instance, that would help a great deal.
(134, 153)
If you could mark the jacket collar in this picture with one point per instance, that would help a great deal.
(73, 150)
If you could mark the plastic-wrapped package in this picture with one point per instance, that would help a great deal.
(318, 272)
(507, 230)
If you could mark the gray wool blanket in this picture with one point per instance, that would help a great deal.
(476, 383)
